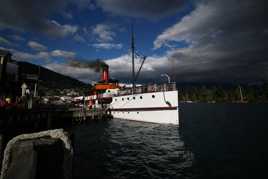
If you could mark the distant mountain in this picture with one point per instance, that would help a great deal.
(50, 80)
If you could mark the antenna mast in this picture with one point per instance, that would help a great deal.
(133, 59)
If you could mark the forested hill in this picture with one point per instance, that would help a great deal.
(50, 79)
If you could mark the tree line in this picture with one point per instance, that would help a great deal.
(233, 94)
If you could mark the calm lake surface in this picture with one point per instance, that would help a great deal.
(214, 141)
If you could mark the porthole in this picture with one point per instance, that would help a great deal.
(127, 98)
(153, 96)
(134, 97)
(115, 99)
(140, 97)
(138, 112)
(122, 99)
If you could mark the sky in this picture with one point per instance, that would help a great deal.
(202, 41)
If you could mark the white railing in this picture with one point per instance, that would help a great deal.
(149, 89)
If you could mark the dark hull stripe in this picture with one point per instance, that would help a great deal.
(145, 109)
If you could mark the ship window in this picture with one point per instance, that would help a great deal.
(153, 96)
(127, 98)
(122, 99)
(140, 97)
(108, 91)
(134, 98)
(138, 112)
(115, 99)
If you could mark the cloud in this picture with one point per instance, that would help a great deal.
(83, 71)
(41, 55)
(226, 42)
(17, 38)
(19, 54)
(209, 22)
(56, 29)
(67, 15)
(4, 41)
(34, 15)
(220, 48)
(103, 32)
(79, 38)
(64, 54)
(36, 46)
(142, 8)
(83, 4)
(22, 56)
(86, 75)
(107, 46)
(121, 68)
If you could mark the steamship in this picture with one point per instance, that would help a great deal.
(147, 103)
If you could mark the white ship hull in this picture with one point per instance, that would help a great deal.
(156, 107)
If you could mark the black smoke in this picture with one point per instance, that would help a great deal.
(96, 65)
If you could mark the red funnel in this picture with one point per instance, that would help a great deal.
(105, 74)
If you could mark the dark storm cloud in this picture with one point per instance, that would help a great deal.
(150, 9)
(34, 15)
(228, 41)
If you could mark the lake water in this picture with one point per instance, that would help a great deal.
(214, 141)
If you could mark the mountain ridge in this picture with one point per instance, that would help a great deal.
(50, 80)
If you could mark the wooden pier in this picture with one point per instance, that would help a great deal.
(82, 114)
(14, 121)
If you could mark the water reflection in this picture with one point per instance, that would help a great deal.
(125, 149)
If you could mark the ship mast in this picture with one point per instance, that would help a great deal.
(133, 59)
